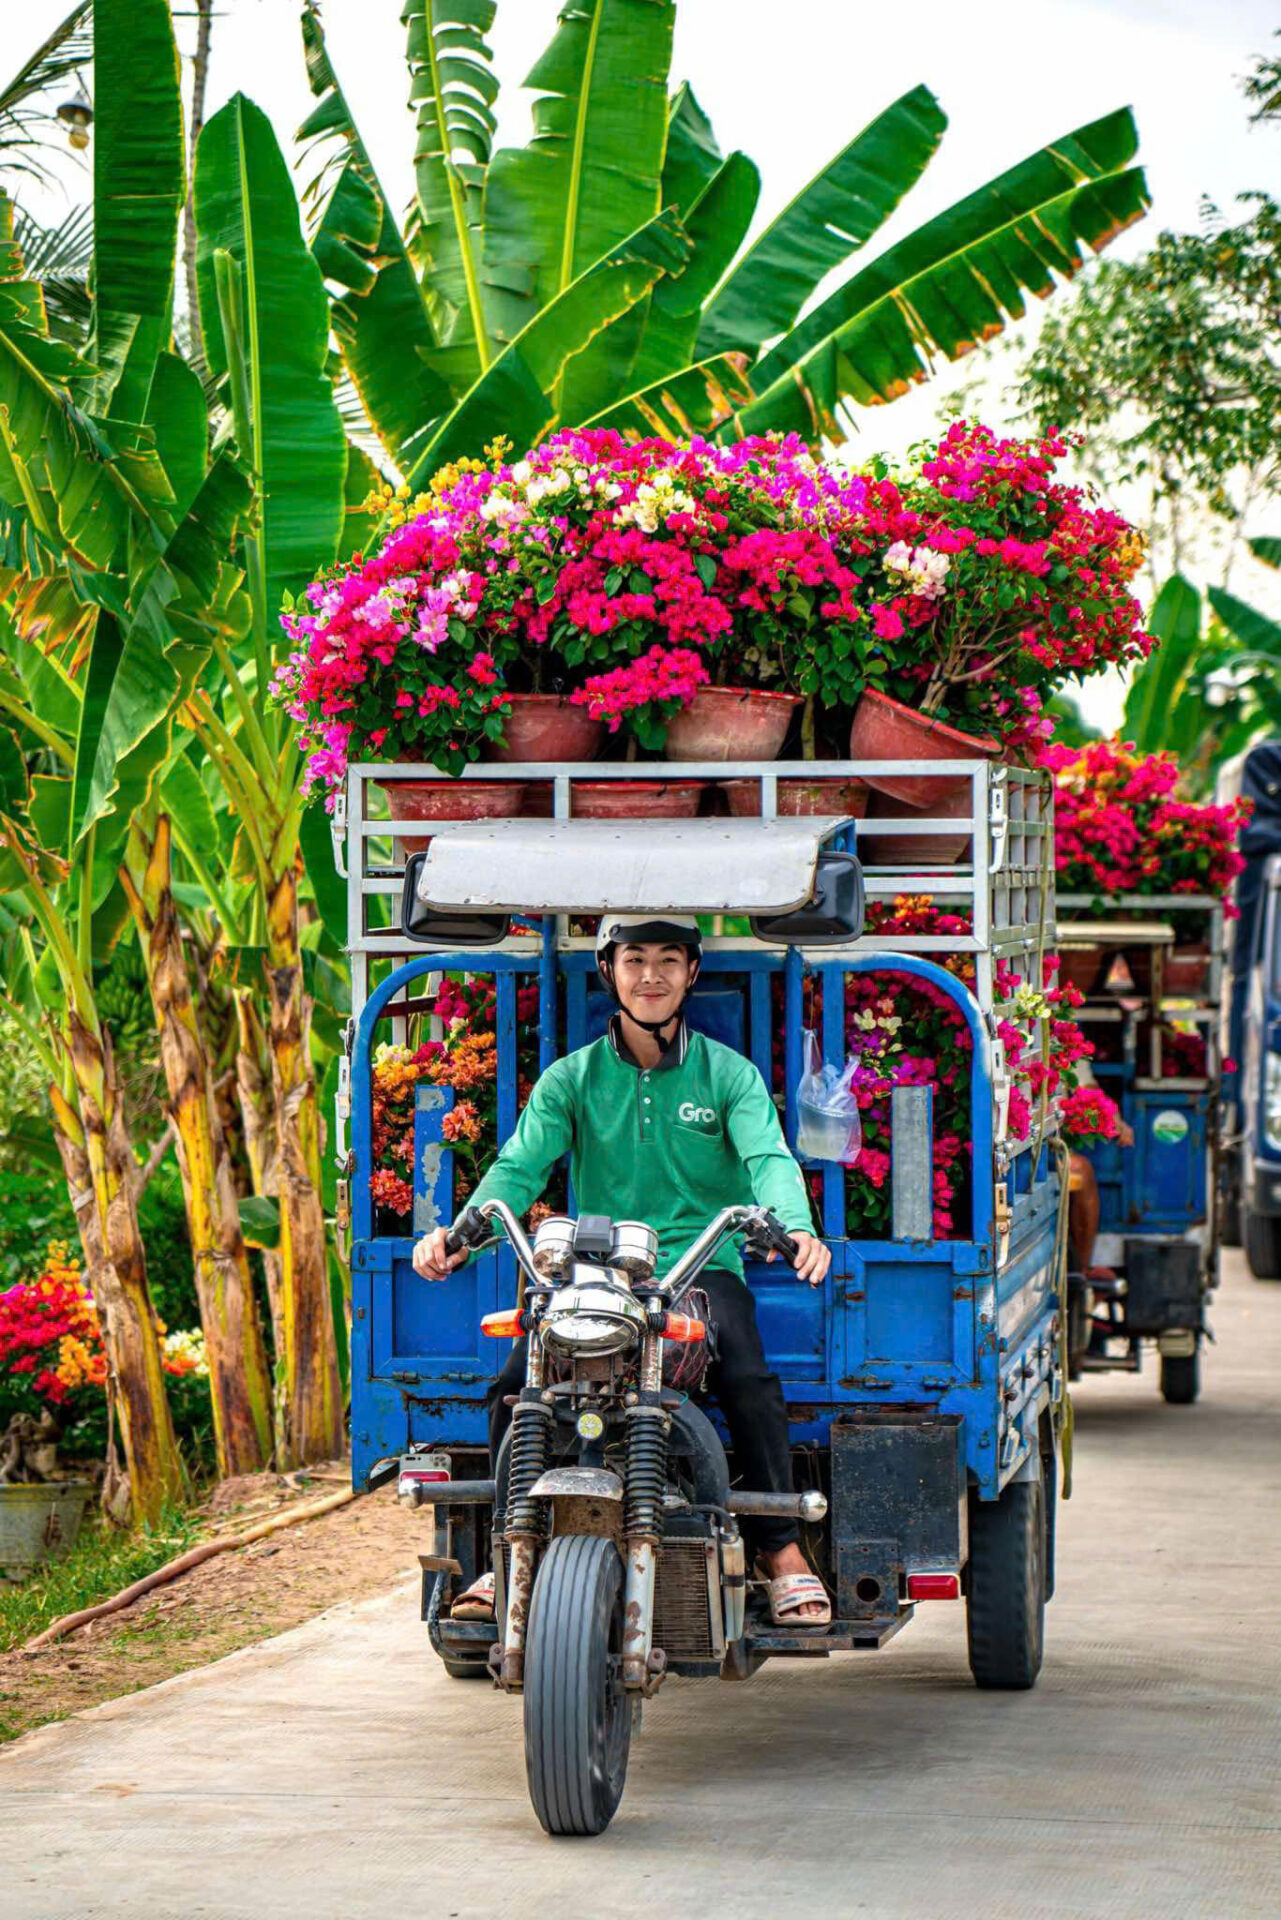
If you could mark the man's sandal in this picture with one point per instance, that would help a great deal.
(792, 1591)
(477, 1603)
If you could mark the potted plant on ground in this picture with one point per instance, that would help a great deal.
(53, 1397)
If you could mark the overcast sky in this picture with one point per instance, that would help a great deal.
(792, 83)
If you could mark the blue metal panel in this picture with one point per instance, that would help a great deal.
(894, 1322)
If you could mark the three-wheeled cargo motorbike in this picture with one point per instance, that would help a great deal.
(1152, 976)
(1252, 1086)
(925, 1379)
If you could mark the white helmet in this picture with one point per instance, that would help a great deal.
(645, 929)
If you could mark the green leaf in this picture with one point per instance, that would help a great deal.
(1245, 623)
(1267, 547)
(327, 883)
(139, 182)
(245, 206)
(953, 282)
(590, 175)
(1154, 689)
(454, 89)
(184, 798)
(260, 1222)
(128, 688)
(513, 396)
(692, 157)
(719, 218)
(827, 221)
(179, 417)
(382, 324)
(697, 400)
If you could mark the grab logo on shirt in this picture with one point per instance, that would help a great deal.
(691, 1115)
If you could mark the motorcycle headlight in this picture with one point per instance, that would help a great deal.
(1272, 1100)
(592, 1316)
(575, 1332)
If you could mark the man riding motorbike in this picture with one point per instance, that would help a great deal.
(668, 1126)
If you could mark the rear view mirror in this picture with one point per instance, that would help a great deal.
(445, 927)
(831, 917)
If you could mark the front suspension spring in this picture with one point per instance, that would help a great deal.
(646, 1471)
(530, 1452)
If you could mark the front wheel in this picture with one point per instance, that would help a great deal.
(1181, 1377)
(1005, 1611)
(578, 1719)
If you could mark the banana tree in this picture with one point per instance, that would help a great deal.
(122, 576)
(720, 341)
(1213, 684)
(265, 325)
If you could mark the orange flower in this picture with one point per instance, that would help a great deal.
(462, 1124)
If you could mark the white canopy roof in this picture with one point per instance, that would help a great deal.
(641, 866)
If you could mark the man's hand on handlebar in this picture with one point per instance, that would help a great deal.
(812, 1259)
(432, 1258)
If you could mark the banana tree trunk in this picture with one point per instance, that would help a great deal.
(118, 1273)
(239, 1379)
(311, 1390)
(258, 1125)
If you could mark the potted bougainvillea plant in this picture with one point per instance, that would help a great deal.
(691, 598)
(1121, 826)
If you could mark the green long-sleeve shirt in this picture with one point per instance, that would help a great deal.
(670, 1145)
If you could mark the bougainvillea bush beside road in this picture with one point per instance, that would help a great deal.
(627, 575)
(1120, 826)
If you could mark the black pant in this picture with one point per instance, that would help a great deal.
(748, 1394)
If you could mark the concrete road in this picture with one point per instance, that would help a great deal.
(336, 1772)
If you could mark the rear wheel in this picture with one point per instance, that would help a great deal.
(1263, 1245)
(1005, 1613)
(1181, 1377)
(475, 1669)
(578, 1719)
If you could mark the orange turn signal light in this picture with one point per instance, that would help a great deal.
(508, 1325)
(678, 1326)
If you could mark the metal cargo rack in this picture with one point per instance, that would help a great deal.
(1141, 920)
(1005, 888)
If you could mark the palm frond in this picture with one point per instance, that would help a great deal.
(28, 118)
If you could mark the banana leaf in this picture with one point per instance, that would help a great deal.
(1246, 624)
(841, 208)
(695, 400)
(716, 223)
(954, 282)
(590, 175)
(692, 156)
(1155, 687)
(245, 206)
(513, 396)
(454, 87)
(1267, 547)
(381, 323)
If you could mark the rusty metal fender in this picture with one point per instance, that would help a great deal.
(584, 1483)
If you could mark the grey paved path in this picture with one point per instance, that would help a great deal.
(336, 1771)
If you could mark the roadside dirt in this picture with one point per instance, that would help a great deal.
(228, 1602)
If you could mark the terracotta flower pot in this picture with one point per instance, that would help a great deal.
(917, 849)
(636, 799)
(547, 726)
(731, 723)
(1080, 967)
(448, 800)
(1187, 970)
(884, 729)
(800, 796)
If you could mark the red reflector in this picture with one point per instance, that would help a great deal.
(507, 1325)
(678, 1326)
(421, 1474)
(933, 1586)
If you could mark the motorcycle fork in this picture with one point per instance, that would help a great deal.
(647, 1429)
(530, 1452)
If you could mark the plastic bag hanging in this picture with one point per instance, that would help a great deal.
(827, 1118)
